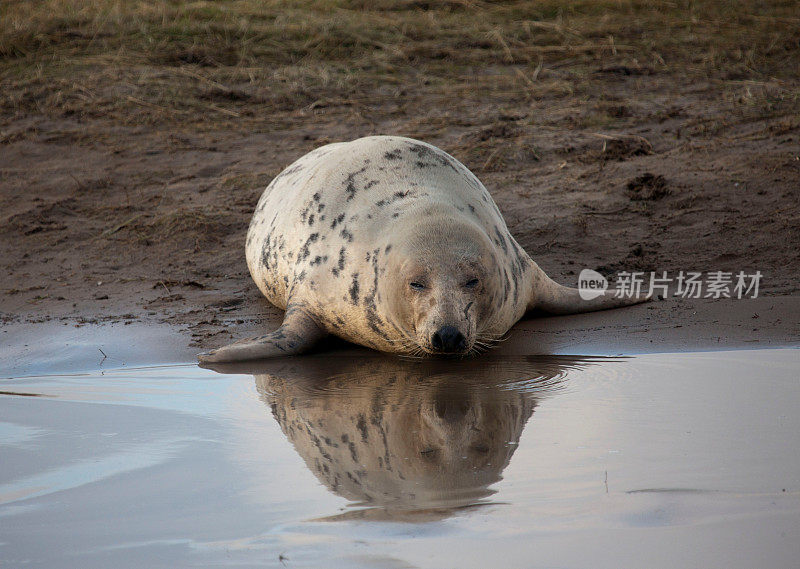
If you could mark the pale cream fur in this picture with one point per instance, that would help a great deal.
(342, 237)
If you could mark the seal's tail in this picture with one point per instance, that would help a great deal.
(549, 296)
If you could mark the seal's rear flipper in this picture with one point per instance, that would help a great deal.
(298, 333)
(553, 298)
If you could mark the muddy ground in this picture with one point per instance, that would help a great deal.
(128, 177)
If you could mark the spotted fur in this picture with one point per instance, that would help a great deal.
(392, 205)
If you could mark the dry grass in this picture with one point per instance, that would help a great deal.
(210, 63)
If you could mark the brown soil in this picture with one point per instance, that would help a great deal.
(128, 178)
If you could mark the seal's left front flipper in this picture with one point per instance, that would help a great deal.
(298, 333)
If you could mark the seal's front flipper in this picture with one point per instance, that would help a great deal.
(298, 333)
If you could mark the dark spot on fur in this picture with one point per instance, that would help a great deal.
(354, 289)
(420, 150)
(396, 196)
(501, 240)
(434, 157)
(361, 425)
(373, 320)
(302, 255)
(388, 248)
(340, 265)
(350, 183)
(516, 291)
(265, 254)
(393, 155)
(346, 235)
(316, 197)
(520, 257)
(339, 218)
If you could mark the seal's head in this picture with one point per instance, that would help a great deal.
(442, 286)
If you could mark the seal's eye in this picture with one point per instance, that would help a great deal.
(471, 283)
(416, 286)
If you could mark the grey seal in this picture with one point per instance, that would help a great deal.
(393, 244)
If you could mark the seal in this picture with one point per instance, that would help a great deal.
(393, 244)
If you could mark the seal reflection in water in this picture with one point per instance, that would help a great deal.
(408, 440)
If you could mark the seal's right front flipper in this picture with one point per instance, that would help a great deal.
(298, 333)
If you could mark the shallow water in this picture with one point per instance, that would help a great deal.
(660, 460)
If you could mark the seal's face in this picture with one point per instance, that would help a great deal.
(440, 291)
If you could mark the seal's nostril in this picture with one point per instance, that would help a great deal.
(436, 341)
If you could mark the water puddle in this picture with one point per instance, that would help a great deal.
(659, 460)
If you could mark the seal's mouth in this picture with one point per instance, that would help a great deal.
(449, 353)
(427, 352)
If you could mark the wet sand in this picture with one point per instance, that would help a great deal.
(659, 326)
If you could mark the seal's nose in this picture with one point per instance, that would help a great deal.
(449, 340)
